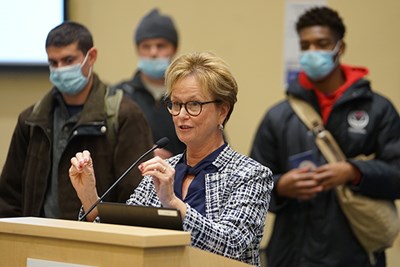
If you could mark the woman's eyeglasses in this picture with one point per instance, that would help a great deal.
(193, 108)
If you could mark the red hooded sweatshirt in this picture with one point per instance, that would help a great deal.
(326, 101)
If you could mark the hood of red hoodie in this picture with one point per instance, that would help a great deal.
(351, 73)
(326, 101)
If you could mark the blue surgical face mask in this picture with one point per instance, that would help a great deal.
(70, 79)
(319, 64)
(154, 67)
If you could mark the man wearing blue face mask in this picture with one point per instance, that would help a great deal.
(76, 114)
(156, 43)
(310, 228)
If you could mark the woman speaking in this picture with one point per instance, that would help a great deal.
(223, 196)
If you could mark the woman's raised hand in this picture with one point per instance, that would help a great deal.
(83, 179)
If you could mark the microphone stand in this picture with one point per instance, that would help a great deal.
(159, 144)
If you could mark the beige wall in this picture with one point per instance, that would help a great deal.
(247, 34)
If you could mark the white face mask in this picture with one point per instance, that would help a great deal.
(154, 67)
(70, 79)
(319, 64)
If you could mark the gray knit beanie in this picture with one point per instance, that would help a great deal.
(154, 25)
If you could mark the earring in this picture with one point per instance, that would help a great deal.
(221, 127)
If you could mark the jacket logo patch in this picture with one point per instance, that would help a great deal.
(358, 120)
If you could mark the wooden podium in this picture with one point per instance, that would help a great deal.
(73, 243)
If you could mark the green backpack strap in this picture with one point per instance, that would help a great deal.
(112, 102)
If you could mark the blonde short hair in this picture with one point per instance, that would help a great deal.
(210, 71)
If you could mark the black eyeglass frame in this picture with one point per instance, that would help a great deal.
(168, 104)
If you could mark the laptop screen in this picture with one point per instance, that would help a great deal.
(144, 216)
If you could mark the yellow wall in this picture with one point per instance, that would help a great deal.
(247, 34)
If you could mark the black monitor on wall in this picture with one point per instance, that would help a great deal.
(24, 25)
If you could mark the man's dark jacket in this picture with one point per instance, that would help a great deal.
(27, 170)
(315, 232)
(157, 115)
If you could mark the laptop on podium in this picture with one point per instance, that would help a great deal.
(144, 216)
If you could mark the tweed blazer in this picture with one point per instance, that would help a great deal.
(237, 200)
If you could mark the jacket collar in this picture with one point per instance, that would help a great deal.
(360, 88)
(137, 82)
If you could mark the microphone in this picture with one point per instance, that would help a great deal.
(159, 144)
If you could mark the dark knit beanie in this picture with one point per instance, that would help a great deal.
(154, 25)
